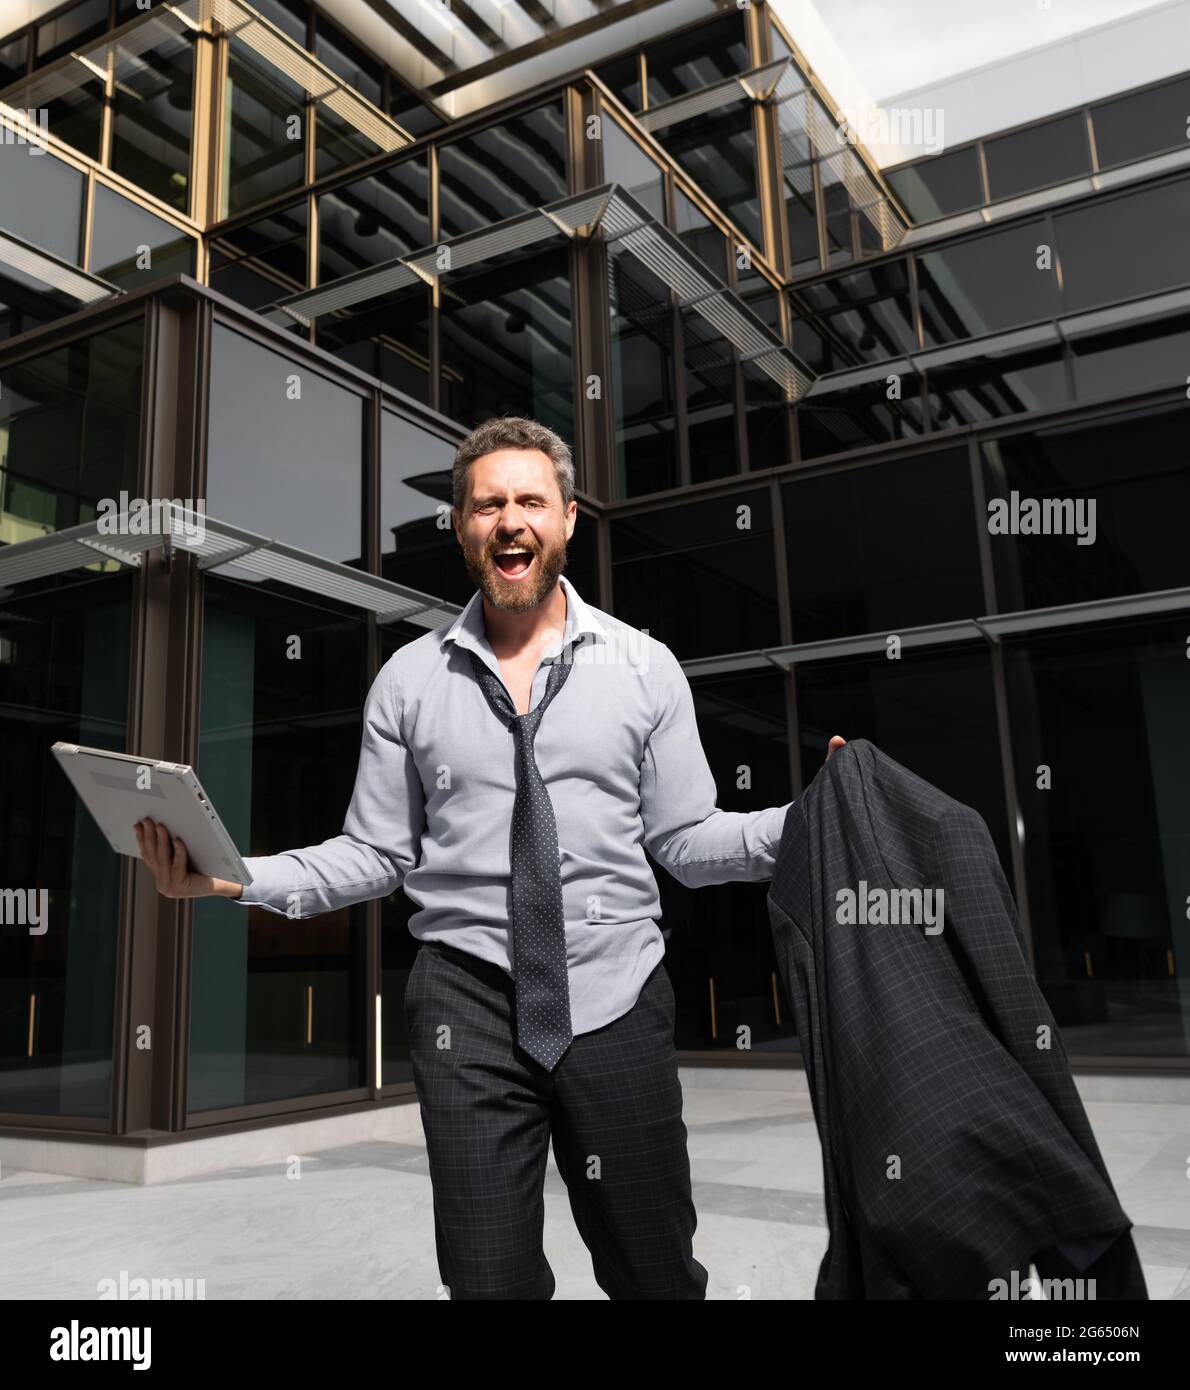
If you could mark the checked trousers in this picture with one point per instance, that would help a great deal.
(612, 1106)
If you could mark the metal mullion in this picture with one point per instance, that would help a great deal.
(88, 219)
(434, 334)
(678, 337)
(1012, 804)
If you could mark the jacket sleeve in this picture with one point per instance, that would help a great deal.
(684, 830)
(382, 831)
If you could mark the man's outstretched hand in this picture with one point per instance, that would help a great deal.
(169, 864)
(837, 741)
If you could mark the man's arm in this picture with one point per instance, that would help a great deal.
(685, 831)
(380, 842)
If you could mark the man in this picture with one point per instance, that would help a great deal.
(538, 1005)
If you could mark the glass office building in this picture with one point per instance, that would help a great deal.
(253, 258)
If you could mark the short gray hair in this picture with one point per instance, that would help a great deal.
(512, 432)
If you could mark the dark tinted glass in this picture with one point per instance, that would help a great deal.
(277, 1011)
(766, 419)
(857, 417)
(1119, 493)
(266, 131)
(700, 236)
(1041, 155)
(985, 284)
(699, 576)
(418, 546)
(718, 151)
(506, 169)
(642, 377)
(151, 122)
(410, 112)
(1143, 357)
(387, 336)
(881, 548)
(697, 59)
(623, 79)
(374, 220)
(718, 941)
(362, 73)
(41, 199)
(70, 422)
(1124, 247)
(1107, 834)
(710, 399)
(868, 314)
(64, 658)
(14, 59)
(131, 247)
(507, 340)
(802, 222)
(76, 117)
(625, 163)
(1142, 124)
(285, 449)
(264, 261)
(939, 185)
(288, 15)
(996, 385)
(70, 29)
(933, 712)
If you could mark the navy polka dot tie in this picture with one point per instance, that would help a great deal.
(538, 922)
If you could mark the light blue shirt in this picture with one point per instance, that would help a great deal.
(619, 752)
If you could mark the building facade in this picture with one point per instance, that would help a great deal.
(897, 453)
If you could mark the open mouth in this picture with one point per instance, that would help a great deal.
(514, 564)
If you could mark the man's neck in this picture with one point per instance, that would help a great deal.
(512, 634)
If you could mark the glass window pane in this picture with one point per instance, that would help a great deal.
(131, 247)
(867, 314)
(69, 432)
(718, 151)
(710, 399)
(374, 220)
(701, 576)
(857, 417)
(289, 16)
(151, 121)
(1037, 157)
(939, 185)
(416, 548)
(1142, 357)
(41, 200)
(622, 78)
(1142, 124)
(1107, 855)
(933, 712)
(266, 131)
(264, 261)
(284, 450)
(506, 169)
(766, 420)
(412, 114)
(1089, 512)
(1124, 247)
(642, 377)
(63, 675)
(14, 59)
(507, 340)
(985, 284)
(76, 117)
(387, 337)
(698, 58)
(70, 29)
(996, 385)
(700, 236)
(362, 73)
(625, 163)
(276, 1013)
(882, 547)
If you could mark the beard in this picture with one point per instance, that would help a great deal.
(511, 595)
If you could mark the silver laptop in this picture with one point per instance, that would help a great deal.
(120, 789)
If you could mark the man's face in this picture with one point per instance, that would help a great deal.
(513, 504)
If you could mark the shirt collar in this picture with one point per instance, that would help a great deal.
(468, 629)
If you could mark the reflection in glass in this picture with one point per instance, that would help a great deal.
(284, 450)
(374, 219)
(418, 545)
(69, 432)
(1142, 124)
(696, 59)
(939, 185)
(506, 340)
(1107, 841)
(642, 376)
(718, 151)
(995, 385)
(64, 659)
(265, 135)
(505, 169)
(277, 1006)
(151, 121)
(710, 399)
(700, 576)
(985, 284)
(263, 261)
(857, 417)
(1045, 153)
(41, 199)
(625, 163)
(868, 314)
(387, 337)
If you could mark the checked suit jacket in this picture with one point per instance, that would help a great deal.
(955, 1146)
